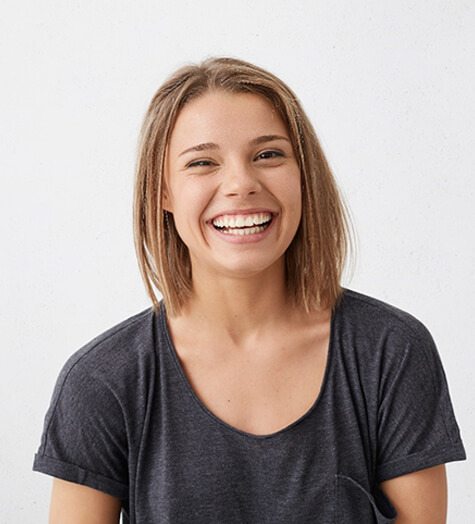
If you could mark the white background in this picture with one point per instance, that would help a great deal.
(389, 86)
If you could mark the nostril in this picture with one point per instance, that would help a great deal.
(239, 180)
(241, 188)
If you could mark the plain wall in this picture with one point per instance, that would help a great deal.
(389, 86)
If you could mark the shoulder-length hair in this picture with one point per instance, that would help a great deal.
(316, 257)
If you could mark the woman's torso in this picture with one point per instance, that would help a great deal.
(381, 410)
(318, 466)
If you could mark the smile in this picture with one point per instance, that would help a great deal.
(241, 225)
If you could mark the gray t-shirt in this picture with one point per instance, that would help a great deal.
(124, 420)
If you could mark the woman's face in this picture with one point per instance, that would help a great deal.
(232, 183)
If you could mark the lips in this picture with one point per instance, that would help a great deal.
(242, 224)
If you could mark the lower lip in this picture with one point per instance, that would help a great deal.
(245, 239)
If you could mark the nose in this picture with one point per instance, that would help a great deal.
(240, 180)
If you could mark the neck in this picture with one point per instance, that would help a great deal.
(238, 307)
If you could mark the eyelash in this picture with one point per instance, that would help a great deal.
(200, 163)
(264, 155)
(269, 155)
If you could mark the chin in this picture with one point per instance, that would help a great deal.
(246, 269)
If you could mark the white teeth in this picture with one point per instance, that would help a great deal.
(243, 232)
(242, 220)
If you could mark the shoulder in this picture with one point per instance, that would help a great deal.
(98, 407)
(373, 320)
(112, 364)
(112, 373)
(381, 340)
(376, 314)
(126, 341)
(391, 357)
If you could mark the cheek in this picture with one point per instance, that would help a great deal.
(189, 204)
(294, 195)
(291, 192)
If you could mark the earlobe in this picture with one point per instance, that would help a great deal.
(166, 201)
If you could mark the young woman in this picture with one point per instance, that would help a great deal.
(258, 390)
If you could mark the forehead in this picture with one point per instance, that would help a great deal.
(225, 118)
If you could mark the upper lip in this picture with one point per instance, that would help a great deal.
(242, 212)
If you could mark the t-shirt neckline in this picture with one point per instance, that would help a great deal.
(229, 427)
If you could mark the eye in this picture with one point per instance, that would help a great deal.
(201, 163)
(268, 155)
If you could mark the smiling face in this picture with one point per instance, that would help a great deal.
(233, 185)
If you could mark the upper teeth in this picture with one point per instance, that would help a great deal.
(242, 220)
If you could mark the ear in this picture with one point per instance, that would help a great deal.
(166, 200)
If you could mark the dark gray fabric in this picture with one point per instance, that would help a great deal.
(124, 419)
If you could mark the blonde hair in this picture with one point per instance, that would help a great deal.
(316, 257)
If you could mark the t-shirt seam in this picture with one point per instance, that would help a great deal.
(156, 316)
(421, 460)
(336, 488)
(95, 473)
(403, 333)
(388, 309)
(116, 331)
(423, 345)
(434, 389)
(431, 451)
(391, 387)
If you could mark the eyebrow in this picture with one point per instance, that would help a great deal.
(209, 146)
(205, 146)
(267, 138)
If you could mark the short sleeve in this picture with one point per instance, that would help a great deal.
(84, 438)
(416, 423)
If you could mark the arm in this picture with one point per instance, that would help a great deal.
(420, 497)
(75, 504)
